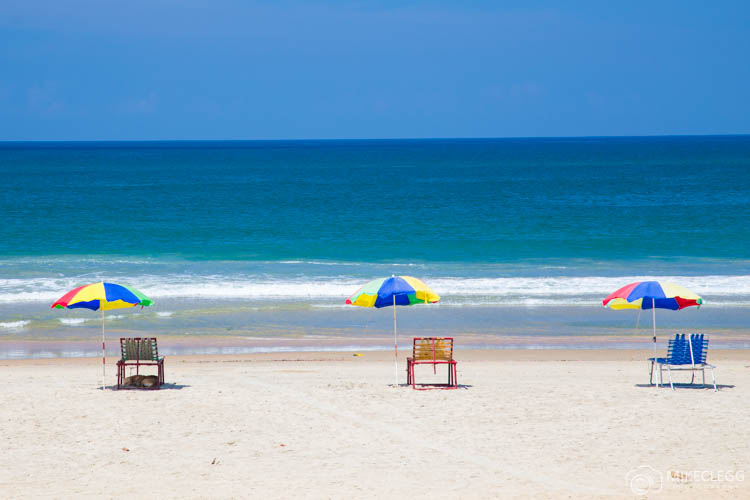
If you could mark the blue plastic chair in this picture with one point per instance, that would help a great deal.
(685, 354)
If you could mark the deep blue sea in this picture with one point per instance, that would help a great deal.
(519, 236)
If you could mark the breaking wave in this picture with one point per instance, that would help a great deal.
(455, 290)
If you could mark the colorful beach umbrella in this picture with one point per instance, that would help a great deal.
(104, 297)
(652, 295)
(393, 291)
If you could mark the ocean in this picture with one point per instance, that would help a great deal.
(257, 244)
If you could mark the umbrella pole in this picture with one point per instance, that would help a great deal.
(103, 352)
(637, 321)
(653, 322)
(395, 344)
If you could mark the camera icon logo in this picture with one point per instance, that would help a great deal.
(645, 479)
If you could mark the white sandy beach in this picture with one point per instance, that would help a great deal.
(551, 424)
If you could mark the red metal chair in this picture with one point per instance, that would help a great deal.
(139, 352)
(434, 351)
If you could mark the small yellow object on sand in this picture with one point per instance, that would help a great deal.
(357, 354)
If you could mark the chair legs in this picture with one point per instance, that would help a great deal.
(692, 380)
(452, 375)
(121, 373)
(713, 377)
(670, 377)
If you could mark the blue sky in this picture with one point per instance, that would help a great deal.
(188, 69)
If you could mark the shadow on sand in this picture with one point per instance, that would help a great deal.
(437, 386)
(164, 387)
(683, 385)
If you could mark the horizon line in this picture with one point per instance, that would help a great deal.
(375, 138)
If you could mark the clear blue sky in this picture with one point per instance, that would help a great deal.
(189, 69)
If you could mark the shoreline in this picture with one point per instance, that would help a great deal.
(386, 356)
(237, 345)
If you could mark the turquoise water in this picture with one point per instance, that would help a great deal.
(224, 235)
(437, 201)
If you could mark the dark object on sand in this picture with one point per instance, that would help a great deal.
(145, 381)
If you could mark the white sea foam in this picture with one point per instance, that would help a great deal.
(72, 321)
(14, 325)
(455, 290)
(164, 314)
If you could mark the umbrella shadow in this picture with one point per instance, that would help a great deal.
(683, 385)
(165, 386)
(437, 386)
(174, 386)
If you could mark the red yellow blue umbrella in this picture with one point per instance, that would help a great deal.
(105, 297)
(393, 291)
(652, 295)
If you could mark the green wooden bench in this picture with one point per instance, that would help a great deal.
(139, 351)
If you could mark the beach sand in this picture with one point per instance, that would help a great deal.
(525, 423)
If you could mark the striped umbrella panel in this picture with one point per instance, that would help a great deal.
(406, 290)
(105, 296)
(650, 294)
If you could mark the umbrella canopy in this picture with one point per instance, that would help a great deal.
(658, 294)
(396, 290)
(105, 296)
(102, 297)
(393, 291)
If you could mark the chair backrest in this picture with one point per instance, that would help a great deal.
(671, 345)
(700, 348)
(433, 348)
(678, 351)
(137, 348)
